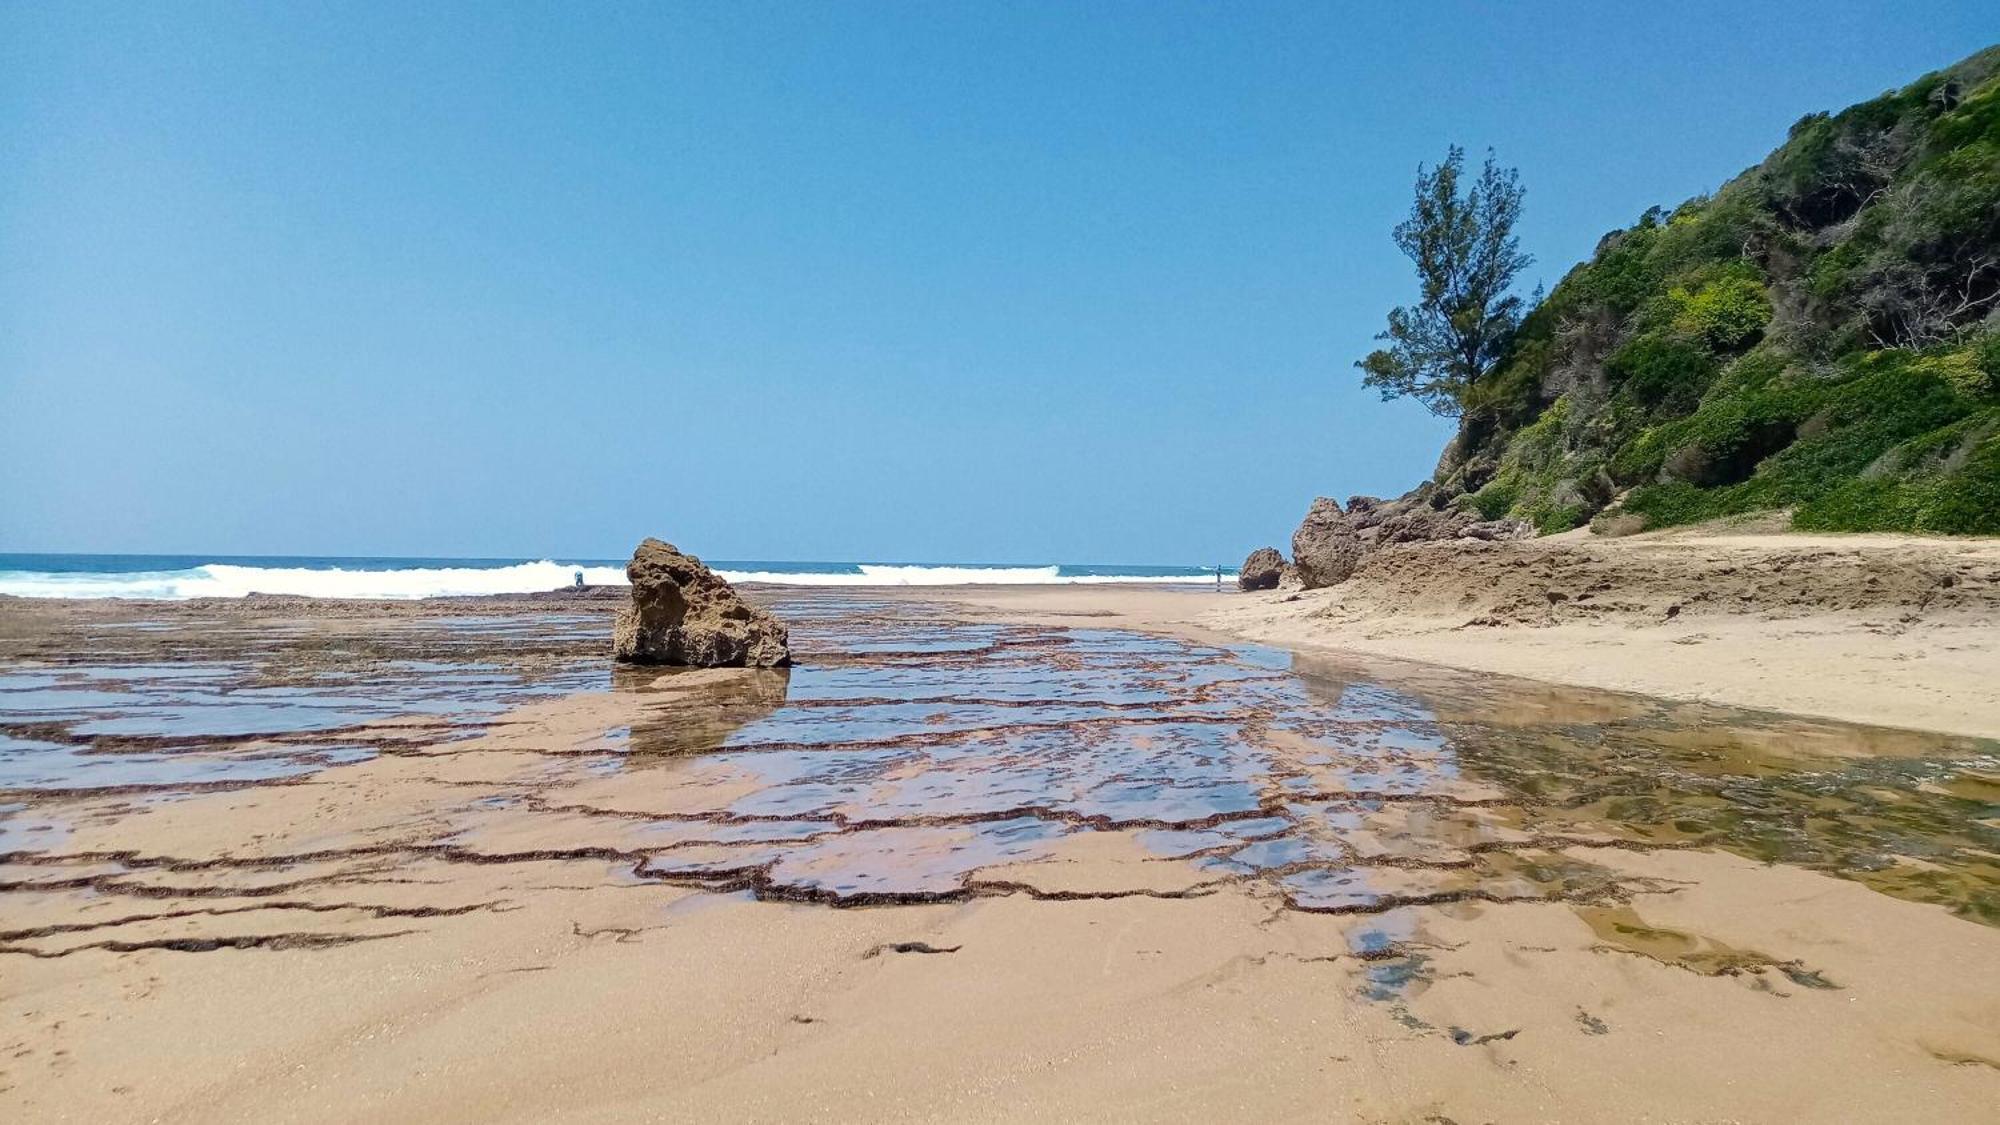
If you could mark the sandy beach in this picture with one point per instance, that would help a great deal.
(1886, 630)
(985, 855)
(679, 563)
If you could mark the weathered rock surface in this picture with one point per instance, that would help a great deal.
(1327, 546)
(1331, 542)
(1261, 570)
(684, 613)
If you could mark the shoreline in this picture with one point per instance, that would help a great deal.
(1890, 631)
(1884, 631)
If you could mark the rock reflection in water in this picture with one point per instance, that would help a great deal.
(698, 709)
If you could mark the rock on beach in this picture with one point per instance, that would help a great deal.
(684, 613)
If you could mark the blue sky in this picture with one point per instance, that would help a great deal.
(928, 282)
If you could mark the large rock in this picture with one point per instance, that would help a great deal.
(1332, 540)
(1327, 546)
(1261, 570)
(684, 613)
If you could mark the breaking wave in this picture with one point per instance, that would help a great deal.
(223, 580)
(873, 574)
(228, 580)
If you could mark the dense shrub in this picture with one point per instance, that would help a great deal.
(1986, 351)
(1886, 403)
(1962, 371)
(1498, 495)
(1662, 370)
(1618, 279)
(1727, 314)
(1963, 499)
(1967, 502)
(1817, 335)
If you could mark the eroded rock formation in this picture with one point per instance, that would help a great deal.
(1326, 548)
(1332, 540)
(1261, 570)
(684, 613)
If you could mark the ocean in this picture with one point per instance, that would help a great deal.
(231, 576)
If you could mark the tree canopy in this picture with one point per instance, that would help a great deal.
(1466, 256)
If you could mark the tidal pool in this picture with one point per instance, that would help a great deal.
(925, 751)
(914, 755)
(241, 706)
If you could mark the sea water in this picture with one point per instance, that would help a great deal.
(177, 577)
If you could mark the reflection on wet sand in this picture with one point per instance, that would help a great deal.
(938, 750)
(1081, 843)
(905, 755)
(694, 710)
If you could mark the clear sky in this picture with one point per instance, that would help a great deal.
(928, 282)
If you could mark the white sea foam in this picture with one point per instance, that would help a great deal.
(876, 574)
(223, 580)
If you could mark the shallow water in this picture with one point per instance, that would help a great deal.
(922, 753)
(240, 709)
(910, 756)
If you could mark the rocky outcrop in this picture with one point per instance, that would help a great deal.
(684, 613)
(1332, 540)
(1261, 570)
(1327, 547)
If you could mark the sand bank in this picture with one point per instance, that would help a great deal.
(1888, 630)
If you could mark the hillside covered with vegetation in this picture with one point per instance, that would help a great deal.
(1820, 335)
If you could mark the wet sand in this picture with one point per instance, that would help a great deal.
(1887, 630)
(289, 861)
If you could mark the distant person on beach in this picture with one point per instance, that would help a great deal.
(579, 580)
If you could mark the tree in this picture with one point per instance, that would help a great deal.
(1466, 257)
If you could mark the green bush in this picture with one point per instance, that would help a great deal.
(1832, 273)
(1726, 314)
(1661, 370)
(1550, 518)
(1717, 229)
(1887, 403)
(1967, 502)
(1976, 119)
(1725, 438)
(1889, 400)
(1758, 369)
(1866, 505)
(1671, 503)
(1617, 280)
(1498, 496)
(1986, 355)
(1510, 394)
(1539, 445)
(1639, 459)
(1962, 371)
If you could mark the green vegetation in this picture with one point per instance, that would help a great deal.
(1466, 256)
(1820, 335)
